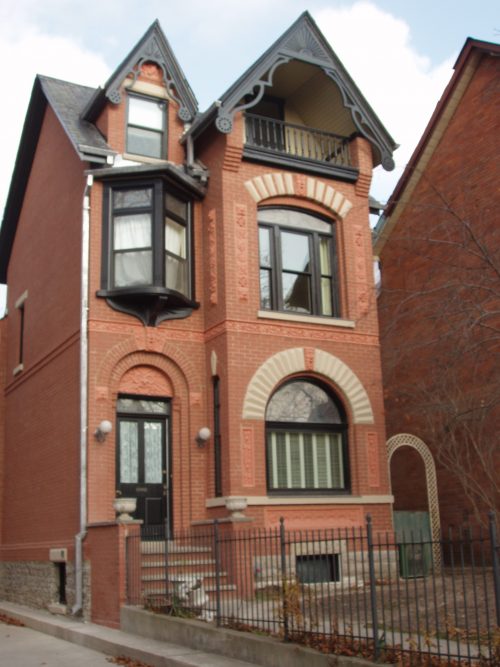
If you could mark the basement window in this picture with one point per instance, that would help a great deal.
(317, 569)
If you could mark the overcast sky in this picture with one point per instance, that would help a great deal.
(399, 52)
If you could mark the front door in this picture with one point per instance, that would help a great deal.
(142, 457)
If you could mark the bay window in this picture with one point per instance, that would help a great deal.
(146, 266)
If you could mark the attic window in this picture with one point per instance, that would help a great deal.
(146, 126)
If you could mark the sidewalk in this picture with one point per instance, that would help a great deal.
(115, 642)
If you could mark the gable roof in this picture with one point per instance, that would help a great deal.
(303, 41)
(464, 69)
(152, 47)
(67, 100)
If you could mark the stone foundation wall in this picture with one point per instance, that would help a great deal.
(36, 584)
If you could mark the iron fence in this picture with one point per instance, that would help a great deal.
(387, 596)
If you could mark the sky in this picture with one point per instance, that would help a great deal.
(399, 52)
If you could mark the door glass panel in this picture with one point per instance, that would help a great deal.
(138, 405)
(295, 252)
(153, 443)
(129, 452)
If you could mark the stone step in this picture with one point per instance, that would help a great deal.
(179, 577)
(159, 547)
(191, 562)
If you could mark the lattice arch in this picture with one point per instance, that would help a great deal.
(285, 363)
(408, 440)
(280, 184)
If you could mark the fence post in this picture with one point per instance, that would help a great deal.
(494, 559)
(217, 571)
(373, 591)
(286, 636)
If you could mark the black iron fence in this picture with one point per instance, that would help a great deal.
(394, 597)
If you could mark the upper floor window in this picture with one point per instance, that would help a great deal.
(298, 267)
(146, 250)
(146, 126)
(306, 433)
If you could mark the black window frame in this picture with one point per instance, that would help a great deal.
(276, 270)
(163, 132)
(310, 427)
(155, 301)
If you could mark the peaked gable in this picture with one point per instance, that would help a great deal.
(303, 41)
(153, 47)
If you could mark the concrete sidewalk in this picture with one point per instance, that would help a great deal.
(115, 642)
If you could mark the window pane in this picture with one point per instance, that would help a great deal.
(176, 206)
(129, 452)
(147, 113)
(177, 274)
(326, 296)
(296, 292)
(336, 459)
(265, 289)
(132, 231)
(297, 219)
(132, 198)
(153, 452)
(325, 257)
(302, 401)
(133, 268)
(144, 142)
(175, 238)
(140, 406)
(265, 246)
(295, 252)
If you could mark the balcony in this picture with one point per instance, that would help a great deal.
(298, 147)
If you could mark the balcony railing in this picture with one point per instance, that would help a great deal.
(296, 142)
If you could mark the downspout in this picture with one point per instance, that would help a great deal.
(79, 537)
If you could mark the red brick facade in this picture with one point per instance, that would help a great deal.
(439, 299)
(228, 336)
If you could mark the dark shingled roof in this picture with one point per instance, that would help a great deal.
(68, 100)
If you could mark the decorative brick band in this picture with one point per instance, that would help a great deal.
(297, 360)
(282, 184)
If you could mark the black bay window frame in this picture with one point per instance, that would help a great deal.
(156, 301)
(276, 270)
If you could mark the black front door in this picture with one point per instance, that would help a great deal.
(142, 457)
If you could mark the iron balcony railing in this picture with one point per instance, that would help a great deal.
(296, 141)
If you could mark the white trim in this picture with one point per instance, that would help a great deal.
(306, 319)
(21, 300)
(18, 369)
(305, 500)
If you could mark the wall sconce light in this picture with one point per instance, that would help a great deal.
(203, 436)
(102, 430)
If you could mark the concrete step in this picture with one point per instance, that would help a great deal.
(160, 576)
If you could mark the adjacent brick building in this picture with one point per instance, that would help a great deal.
(439, 248)
(200, 284)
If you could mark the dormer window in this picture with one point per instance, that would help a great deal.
(146, 126)
(146, 269)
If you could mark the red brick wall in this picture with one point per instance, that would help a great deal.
(437, 282)
(41, 462)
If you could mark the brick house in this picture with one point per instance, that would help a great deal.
(439, 249)
(190, 313)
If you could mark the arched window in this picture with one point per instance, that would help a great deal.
(298, 264)
(306, 440)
